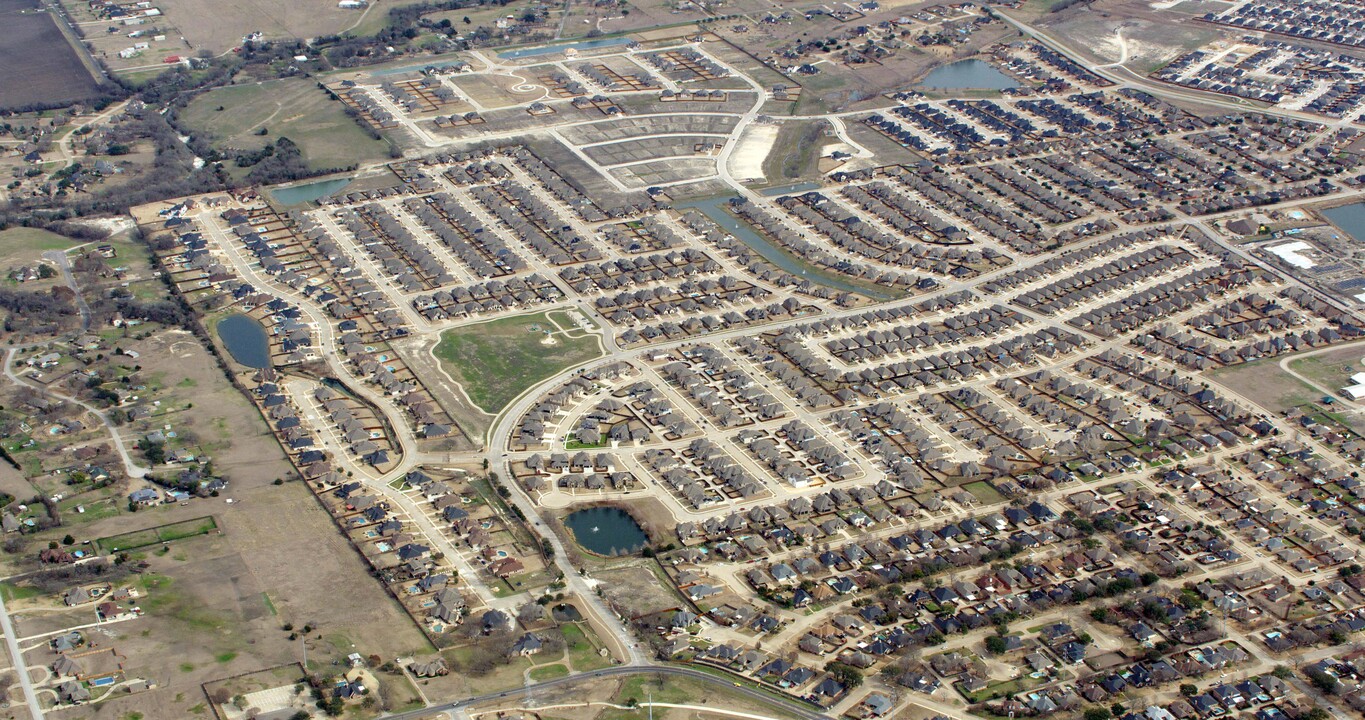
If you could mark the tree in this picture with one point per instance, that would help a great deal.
(1322, 681)
(846, 675)
(1097, 713)
(1189, 690)
(995, 645)
(68, 540)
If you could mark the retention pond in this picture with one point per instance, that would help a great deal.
(245, 340)
(968, 75)
(606, 531)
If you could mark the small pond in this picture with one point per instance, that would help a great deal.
(606, 531)
(299, 194)
(245, 340)
(565, 612)
(968, 75)
(1350, 218)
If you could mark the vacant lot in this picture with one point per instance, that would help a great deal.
(181, 374)
(1265, 384)
(496, 91)
(160, 534)
(567, 700)
(985, 492)
(294, 108)
(637, 588)
(20, 246)
(496, 361)
(219, 26)
(37, 63)
(796, 151)
(1331, 370)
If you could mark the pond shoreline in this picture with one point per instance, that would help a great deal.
(612, 519)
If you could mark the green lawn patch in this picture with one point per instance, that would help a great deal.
(25, 245)
(575, 444)
(159, 534)
(1003, 688)
(498, 360)
(94, 510)
(581, 650)
(985, 492)
(548, 672)
(10, 591)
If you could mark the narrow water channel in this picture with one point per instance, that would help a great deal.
(714, 209)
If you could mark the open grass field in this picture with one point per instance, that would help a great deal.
(796, 151)
(685, 691)
(19, 246)
(985, 492)
(1264, 383)
(294, 108)
(1332, 370)
(37, 63)
(159, 534)
(218, 26)
(498, 360)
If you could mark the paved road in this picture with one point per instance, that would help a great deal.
(1124, 77)
(63, 264)
(1286, 360)
(791, 707)
(611, 627)
(129, 465)
(17, 658)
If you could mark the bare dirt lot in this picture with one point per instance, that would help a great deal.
(185, 379)
(637, 589)
(1133, 32)
(37, 63)
(496, 91)
(1264, 383)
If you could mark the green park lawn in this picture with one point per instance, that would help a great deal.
(498, 360)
